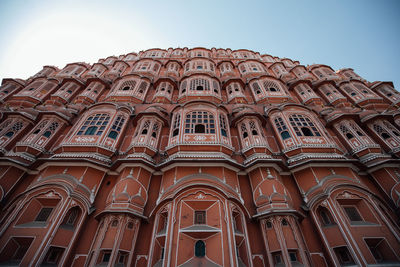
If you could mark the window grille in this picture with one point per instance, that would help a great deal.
(381, 131)
(199, 85)
(271, 86)
(222, 124)
(127, 85)
(282, 129)
(177, 121)
(303, 126)
(116, 127)
(200, 122)
(51, 129)
(94, 125)
(243, 128)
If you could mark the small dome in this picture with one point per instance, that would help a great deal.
(271, 191)
(128, 191)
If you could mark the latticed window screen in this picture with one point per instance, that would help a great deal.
(145, 128)
(51, 129)
(127, 85)
(303, 126)
(183, 87)
(40, 126)
(5, 124)
(154, 131)
(234, 87)
(346, 132)
(200, 122)
(282, 129)
(116, 127)
(243, 128)
(256, 88)
(142, 87)
(253, 128)
(319, 73)
(94, 125)
(382, 132)
(391, 128)
(350, 91)
(176, 124)
(199, 85)
(357, 129)
(222, 125)
(271, 86)
(362, 88)
(156, 67)
(14, 128)
(215, 87)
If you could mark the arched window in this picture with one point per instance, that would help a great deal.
(155, 130)
(116, 127)
(244, 130)
(145, 128)
(303, 126)
(271, 86)
(222, 125)
(10, 131)
(200, 249)
(256, 88)
(200, 122)
(94, 125)
(176, 124)
(51, 129)
(381, 131)
(282, 129)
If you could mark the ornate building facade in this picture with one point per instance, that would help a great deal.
(199, 157)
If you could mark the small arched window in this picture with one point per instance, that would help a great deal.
(155, 130)
(116, 127)
(303, 126)
(282, 129)
(222, 124)
(381, 131)
(177, 120)
(200, 249)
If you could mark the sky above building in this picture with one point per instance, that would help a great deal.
(360, 34)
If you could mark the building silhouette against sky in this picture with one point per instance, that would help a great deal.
(199, 157)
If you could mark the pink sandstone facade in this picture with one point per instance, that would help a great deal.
(199, 157)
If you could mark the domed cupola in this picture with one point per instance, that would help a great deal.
(128, 194)
(271, 194)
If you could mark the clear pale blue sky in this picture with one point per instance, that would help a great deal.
(364, 35)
